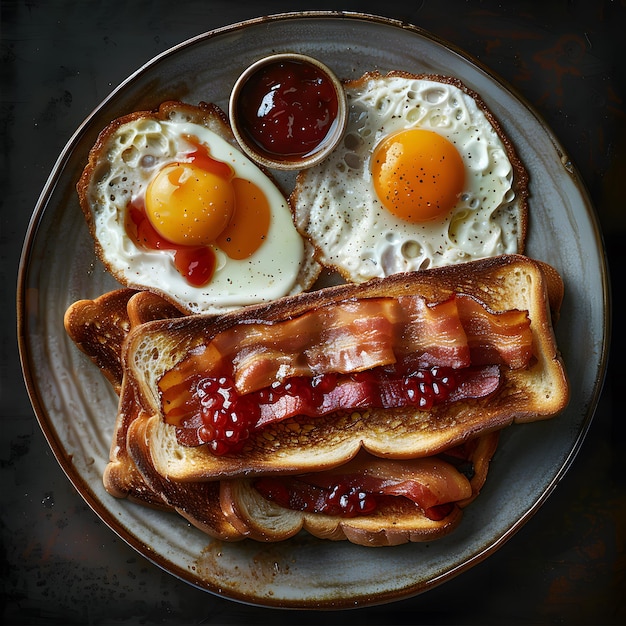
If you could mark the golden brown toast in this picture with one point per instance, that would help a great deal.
(395, 522)
(98, 328)
(121, 477)
(302, 444)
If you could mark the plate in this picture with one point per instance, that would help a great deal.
(76, 407)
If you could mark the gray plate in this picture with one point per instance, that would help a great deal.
(76, 407)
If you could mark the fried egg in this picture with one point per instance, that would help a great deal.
(175, 208)
(424, 177)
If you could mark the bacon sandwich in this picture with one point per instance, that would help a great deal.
(368, 413)
(231, 510)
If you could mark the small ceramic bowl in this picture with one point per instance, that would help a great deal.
(251, 98)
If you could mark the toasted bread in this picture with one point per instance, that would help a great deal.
(121, 477)
(396, 522)
(197, 502)
(98, 328)
(302, 444)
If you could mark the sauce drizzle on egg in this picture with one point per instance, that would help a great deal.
(193, 207)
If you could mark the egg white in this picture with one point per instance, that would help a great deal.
(134, 154)
(336, 207)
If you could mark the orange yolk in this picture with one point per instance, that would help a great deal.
(418, 175)
(188, 205)
(250, 222)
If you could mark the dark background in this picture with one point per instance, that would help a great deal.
(59, 563)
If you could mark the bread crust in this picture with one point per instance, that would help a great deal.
(98, 328)
(304, 444)
(395, 522)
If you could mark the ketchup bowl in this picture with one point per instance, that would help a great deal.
(288, 111)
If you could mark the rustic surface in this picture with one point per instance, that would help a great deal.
(59, 562)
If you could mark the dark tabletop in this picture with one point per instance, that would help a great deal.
(59, 563)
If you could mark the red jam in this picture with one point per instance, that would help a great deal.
(228, 419)
(195, 263)
(288, 108)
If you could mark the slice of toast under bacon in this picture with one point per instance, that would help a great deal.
(99, 327)
(395, 521)
(300, 444)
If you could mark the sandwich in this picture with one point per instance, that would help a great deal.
(415, 373)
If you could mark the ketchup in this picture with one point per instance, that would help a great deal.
(288, 108)
(196, 263)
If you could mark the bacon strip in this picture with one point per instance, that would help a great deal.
(504, 338)
(428, 482)
(361, 334)
(355, 394)
(352, 392)
(432, 334)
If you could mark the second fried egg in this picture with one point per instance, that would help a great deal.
(424, 177)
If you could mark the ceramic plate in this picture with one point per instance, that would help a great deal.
(76, 408)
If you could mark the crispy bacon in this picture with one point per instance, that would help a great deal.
(428, 482)
(371, 389)
(352, 337)
(497, 338)
(432, 334)
(361, 334)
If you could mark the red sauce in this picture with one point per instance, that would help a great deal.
(195, 264)
(287, 108)
(227, 419)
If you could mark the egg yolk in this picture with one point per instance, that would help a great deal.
(418, 174)
(188, 205)
(250, 222)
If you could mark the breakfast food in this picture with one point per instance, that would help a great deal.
(369, 501)
(445, 354)
(99, 327)
(223, 509)
(424, 177)
(257, 403)
(175, 208)
(287, 111)
(310, 473)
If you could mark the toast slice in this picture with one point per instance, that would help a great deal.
(99, 328)
(301, 444)
(396, 521)
(121, 477)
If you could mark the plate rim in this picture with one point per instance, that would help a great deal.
(83, 487)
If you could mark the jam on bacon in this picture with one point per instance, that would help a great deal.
(376, 353)
(364, 484)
